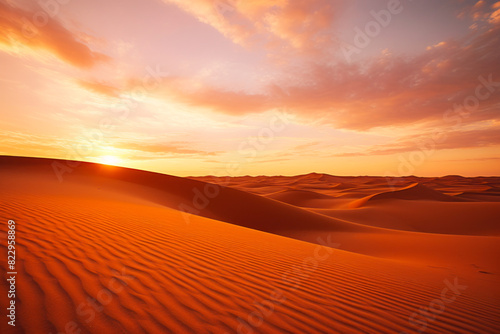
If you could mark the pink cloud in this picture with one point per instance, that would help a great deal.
(435, 141)
(17, 26)
(388, 91)
(100, 88)
(196, 93)
(300, 24)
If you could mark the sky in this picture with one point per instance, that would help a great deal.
(235, 87)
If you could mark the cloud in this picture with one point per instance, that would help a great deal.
(495, 16)
(32, 145)
(47, 146)
(300, 24)
(227, 102)
(485, 159)
(477, 11)
(193, 92)
(162, 150)
(435, 141)
(307, 147)
(17, 27)
(394, 91)
(100, 88)
(388, 91)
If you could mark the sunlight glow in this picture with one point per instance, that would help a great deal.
(109, 160)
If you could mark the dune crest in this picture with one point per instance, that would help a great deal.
(415, 191)
(298, 197)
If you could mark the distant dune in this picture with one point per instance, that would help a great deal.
(297, 196)
(415, 191)
(117, 250)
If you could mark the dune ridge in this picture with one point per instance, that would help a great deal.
(415, 191)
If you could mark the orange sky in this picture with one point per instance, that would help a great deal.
(231, 87)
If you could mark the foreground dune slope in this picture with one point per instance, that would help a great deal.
(109, 260)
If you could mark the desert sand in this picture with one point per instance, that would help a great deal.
(117, 250)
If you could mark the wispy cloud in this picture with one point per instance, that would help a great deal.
(158, 150)
(100, 88)
(387, 91)
(434, 141)
(17, 29)
(300, 24)
(398, 91)
(32, 145)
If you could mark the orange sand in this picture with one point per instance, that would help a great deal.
(116, 250)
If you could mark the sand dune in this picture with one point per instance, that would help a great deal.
(487, 195)
(471, 218)
(492, 191)
(301, 198)
(414, 191)
(111, 250)
(186, 195)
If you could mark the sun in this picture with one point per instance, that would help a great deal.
(109, 160)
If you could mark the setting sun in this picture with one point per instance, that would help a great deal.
(109, 160)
